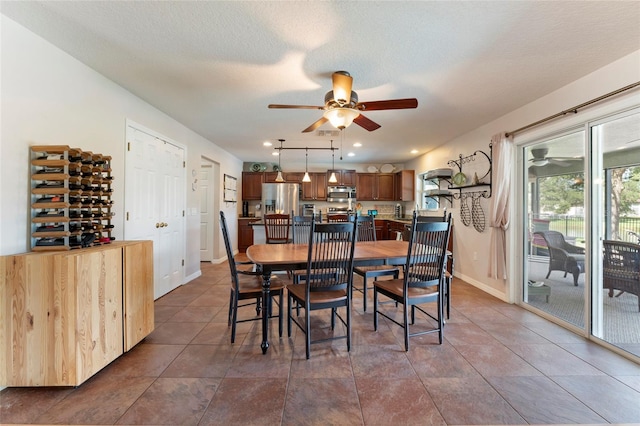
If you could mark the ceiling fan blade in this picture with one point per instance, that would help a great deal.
(560, 163)
(342, 83)
(296, 106)
(365, 123)
(388, 104)
(315, 125)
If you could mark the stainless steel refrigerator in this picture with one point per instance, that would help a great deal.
(280, 197)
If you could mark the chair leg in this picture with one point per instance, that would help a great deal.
(449, 280)
(375, 309)
(348, 326)
(307, 330)
(333, 318)
(280, 311)
(289, 303)
(364, 292)
(234, 319)
(230, 307)
(406, 325)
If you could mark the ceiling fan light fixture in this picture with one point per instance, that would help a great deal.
(540, 162)
(341, 118)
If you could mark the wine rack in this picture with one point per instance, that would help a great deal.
(71, 195)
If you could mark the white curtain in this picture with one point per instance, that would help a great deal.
(503, 158)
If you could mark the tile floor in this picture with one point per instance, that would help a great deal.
(499, 364)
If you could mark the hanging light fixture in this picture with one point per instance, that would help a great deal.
(333, 178)
(279, 178)
(341, 118)
(306, 177)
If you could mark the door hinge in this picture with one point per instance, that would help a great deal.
(182, 262)
(182, 213)
(127, 215)
(128, 146)
(184, 164)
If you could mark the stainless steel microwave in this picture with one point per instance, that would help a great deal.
(341, 194)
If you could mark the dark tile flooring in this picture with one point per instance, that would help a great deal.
(499, 364)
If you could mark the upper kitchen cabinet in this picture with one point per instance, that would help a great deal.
(252, 185)
(316, 190)
(375, 187)
(345, 177)
(293, 177)
(405, 185)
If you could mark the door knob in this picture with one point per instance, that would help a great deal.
(157, 225)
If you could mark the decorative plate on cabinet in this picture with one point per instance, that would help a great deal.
(387, 168)
(372, 169)
(256, 167)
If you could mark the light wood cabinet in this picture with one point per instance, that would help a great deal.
(405, 185)
(375, 187)
(252, 185)
(66, 315)
(316, 190)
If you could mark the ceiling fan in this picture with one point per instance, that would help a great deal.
(341, 106)
(540, 158)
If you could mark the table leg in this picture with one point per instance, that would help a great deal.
(266, 289)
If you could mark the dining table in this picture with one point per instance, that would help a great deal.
(285, 257)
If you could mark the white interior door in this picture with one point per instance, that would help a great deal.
(155, 203)
(205, 184)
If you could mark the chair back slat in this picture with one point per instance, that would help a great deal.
(301, 228)
(366, 228)
(276, 228)
(330, 256)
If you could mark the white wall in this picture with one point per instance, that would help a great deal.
(50, 98)
(618, 74)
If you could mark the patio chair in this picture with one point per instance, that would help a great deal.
(621, 268)
(562, 255)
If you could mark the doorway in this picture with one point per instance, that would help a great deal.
(208, 185)
(155, 202)
(582, 193)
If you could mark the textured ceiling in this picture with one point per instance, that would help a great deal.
(215, 66)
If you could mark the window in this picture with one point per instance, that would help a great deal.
(427, 202)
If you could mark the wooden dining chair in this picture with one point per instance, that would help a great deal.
(366, 231)
(337, 217)
(277, 227)
(328, 281)
(448, 267)
(249, 287)
(423, 279)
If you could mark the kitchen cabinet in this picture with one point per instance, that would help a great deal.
(316, 190)
(393, 228)
(375, 187)
(344, 177)
(293, 177)
(252, 185)
(381, 229)
(66, 315)
(405, 185)
(270, 177)
(245, 233)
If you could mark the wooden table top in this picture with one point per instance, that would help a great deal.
(275, 254)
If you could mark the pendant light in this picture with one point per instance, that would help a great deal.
(333, 178)
(306, 177)
(279, 178)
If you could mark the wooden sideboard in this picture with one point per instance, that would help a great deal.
(66, 315)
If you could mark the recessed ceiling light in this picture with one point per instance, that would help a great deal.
(267, 143)
(357, 144)
(351, 154)
(414, 151)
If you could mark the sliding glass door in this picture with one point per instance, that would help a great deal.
(581, 262)
(615, 143)
(555, 260)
